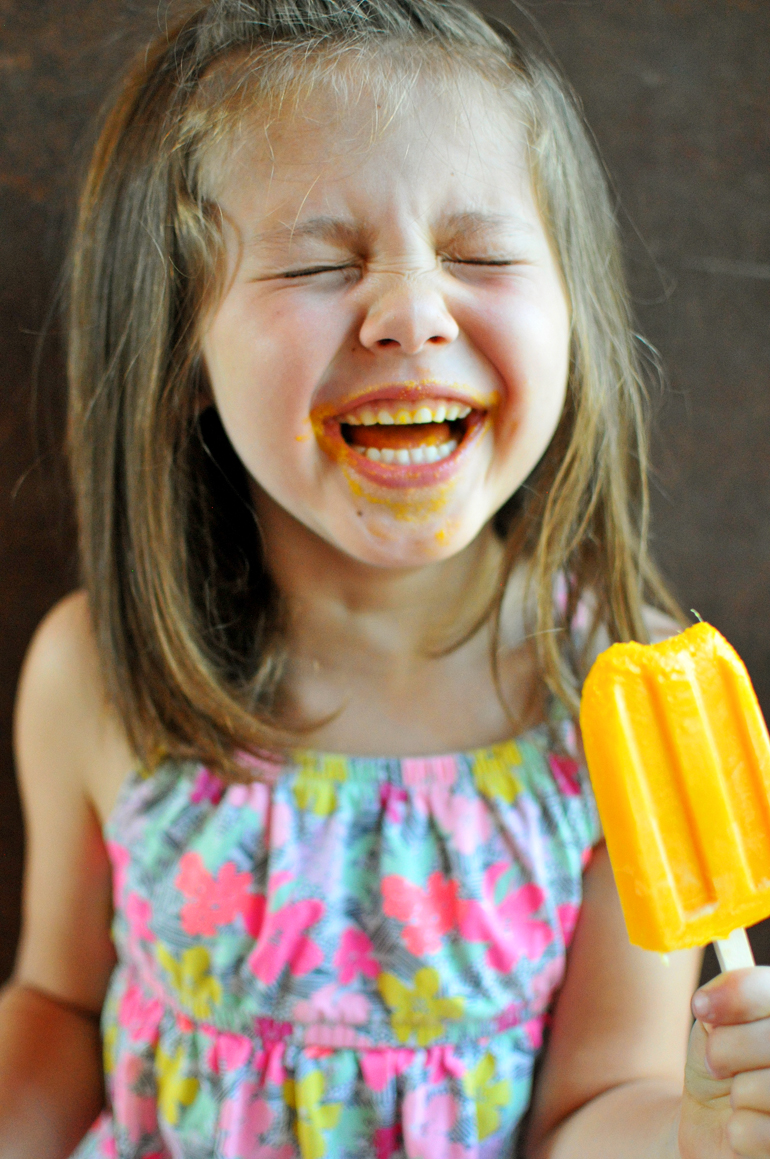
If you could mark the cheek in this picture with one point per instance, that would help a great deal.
(529, 348)
(267, 356)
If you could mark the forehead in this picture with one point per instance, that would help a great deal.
(457, 147)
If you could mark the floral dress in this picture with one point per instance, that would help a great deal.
(350, 958)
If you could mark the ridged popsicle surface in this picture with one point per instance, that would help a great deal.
(679, 758)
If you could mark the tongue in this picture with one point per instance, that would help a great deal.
(400, 437)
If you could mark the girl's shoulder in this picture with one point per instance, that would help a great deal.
(65, 726)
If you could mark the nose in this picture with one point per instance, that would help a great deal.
(408, 316)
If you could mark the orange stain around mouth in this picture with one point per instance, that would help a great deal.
(422, 502)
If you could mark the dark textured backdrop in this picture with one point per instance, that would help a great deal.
(678, 94)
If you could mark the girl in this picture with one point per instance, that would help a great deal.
(356, 437)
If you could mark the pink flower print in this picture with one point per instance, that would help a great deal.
(229, 1052)
(254, 914)
(328, 1004)
(545, 983)
(509, 928)
(355, 956)
(380, 1066)
(565, 773)
(255, 796)
(419, 771)
(393, 800)
(281, 818)
(586, 857)
(428, 1123)
(387, 1141)
(511, 1016)
(271, 1031)
(206, 787)
(267, 1064)
(120, 859)
(534, 1030)
(108, 1148)
(245, 1119)
(138, 912)
(137, 1113)
(333, 1036)
(442, 1063)
(467, 820)
(428, 913)
(567, 915)
(102, 1137)
(139, 1015)
(282, 941)
(216, 901)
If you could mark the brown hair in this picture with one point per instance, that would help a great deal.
(187, 617)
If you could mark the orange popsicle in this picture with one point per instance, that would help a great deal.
(679, 758)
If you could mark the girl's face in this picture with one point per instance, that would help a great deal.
(390, 355)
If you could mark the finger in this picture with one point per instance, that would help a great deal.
(731, 1049)
(748, 1133)
(738, 996)
(751, 1091)
(699, 1081)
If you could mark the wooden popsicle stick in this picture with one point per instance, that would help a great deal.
(734, 952)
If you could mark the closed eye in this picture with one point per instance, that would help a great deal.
(480, 261)
(311, 271)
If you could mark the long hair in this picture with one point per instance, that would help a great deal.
(188, 621)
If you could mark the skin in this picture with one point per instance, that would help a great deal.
(364, 625)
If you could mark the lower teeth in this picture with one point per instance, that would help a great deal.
(422, 454)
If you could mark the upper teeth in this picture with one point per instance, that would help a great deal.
(421, 454)
(389, 414)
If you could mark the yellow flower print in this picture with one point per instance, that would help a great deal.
(191, 978)
(109, 1043)
(488, 1095)
(174, 1090)
(493, 774)
(312, 1117)
(316, 784)
(418, 1012)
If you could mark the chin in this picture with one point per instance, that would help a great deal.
(389, 543)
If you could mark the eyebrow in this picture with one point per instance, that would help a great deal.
(346, 232)
(332, 229)
(479, 221)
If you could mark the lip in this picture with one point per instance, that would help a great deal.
(399, 475)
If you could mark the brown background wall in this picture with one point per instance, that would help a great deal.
(678, 94)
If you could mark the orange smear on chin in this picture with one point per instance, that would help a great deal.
(401, 437)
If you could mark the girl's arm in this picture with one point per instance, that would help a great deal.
(611, 1086)
(50, 1053)
(50, 1074)
(611, 1081)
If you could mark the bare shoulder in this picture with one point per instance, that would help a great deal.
(71, 757)
(65, 725)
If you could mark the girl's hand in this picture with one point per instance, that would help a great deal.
(726, 1103)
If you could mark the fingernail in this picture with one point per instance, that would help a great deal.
(701, 1005)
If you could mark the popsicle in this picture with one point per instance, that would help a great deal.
(679, 759)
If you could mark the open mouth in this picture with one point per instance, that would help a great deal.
(403, 433)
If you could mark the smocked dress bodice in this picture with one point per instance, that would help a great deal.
(349, 958)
